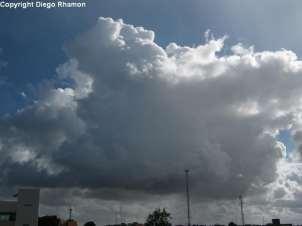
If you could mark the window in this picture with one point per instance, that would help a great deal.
(6, 216)
(28, 205)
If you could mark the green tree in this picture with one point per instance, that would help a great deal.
(89, 223)
(158, 218)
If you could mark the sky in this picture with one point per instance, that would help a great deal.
(104, 107)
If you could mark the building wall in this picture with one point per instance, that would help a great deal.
(9, 223)
(8, 213)
(8, 206)
(27, 207)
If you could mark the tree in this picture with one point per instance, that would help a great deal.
(232, 224)
(158, 218)
(89, 223)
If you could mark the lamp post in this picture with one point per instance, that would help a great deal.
(188, 196)
(241, 208)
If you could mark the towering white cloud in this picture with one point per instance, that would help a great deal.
(134, 115)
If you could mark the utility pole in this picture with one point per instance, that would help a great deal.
(70, 213)
(241, 208)
(121, 216)
(115, 217)
(188, 196)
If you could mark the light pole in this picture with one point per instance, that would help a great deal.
(188, 196)
(70, 213)
(241, 208)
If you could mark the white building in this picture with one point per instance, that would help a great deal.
(23, 212)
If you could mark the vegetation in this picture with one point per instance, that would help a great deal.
(158, 218)
(89, 223)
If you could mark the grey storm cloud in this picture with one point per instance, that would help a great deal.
(135, 115)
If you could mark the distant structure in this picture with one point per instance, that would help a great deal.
(55, 221)
(276, 222)
(70, 221)
(49, 221)
(241, 209)
(24, 211)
